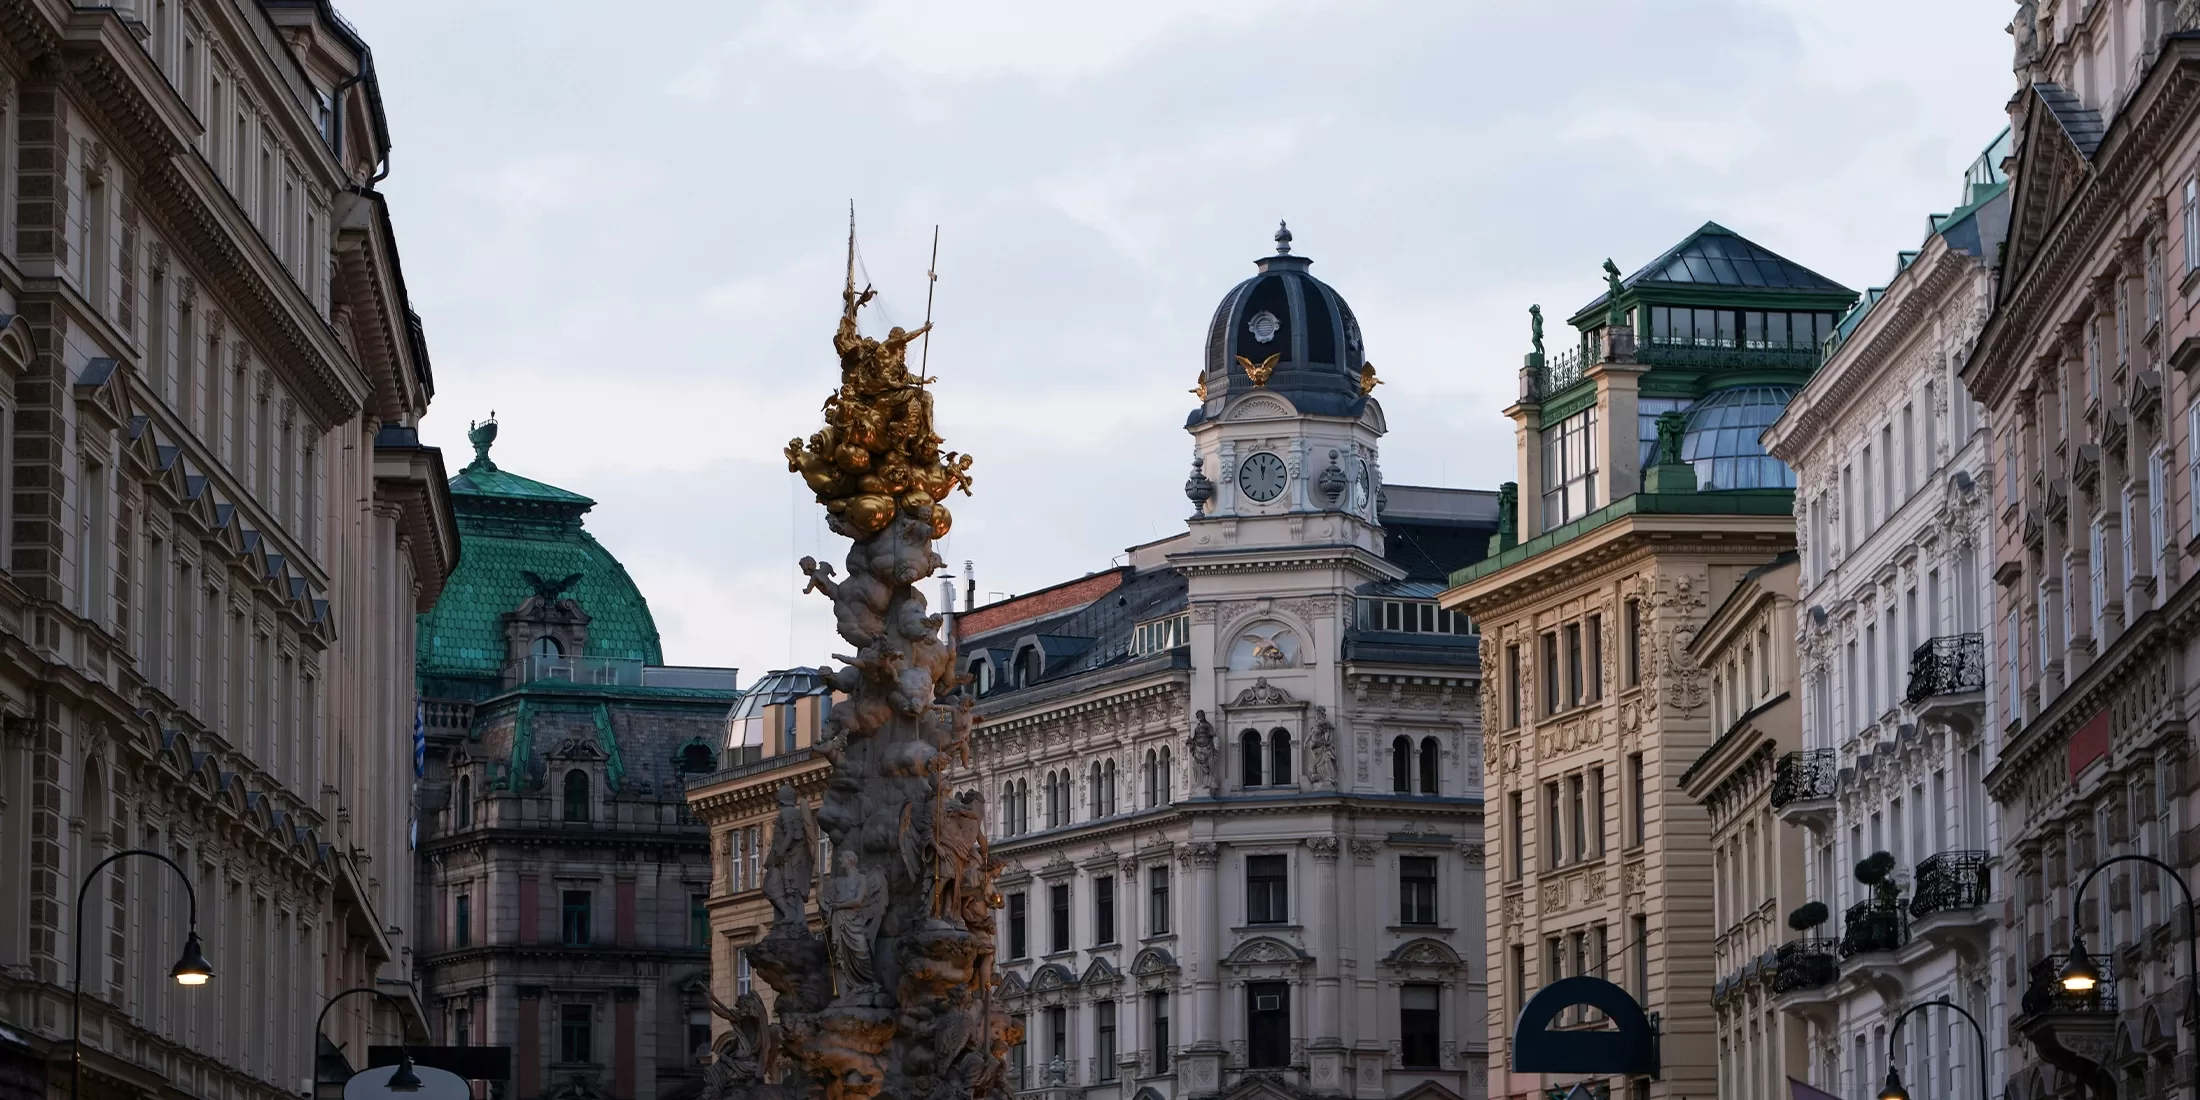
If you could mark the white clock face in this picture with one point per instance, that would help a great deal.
(1262, 477)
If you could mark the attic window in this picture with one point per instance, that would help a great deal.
(696, 759)
(981, 676)
(547, 647)
(1029, 666)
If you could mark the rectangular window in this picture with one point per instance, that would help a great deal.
(1578, 816)
(2097, 579)
(1575, 680)
(1596, 657)
(2192, 224)
(2158, 516)
(1640, 944)
(1549, 673)
(576, 917)
(1848, 507)
(1058, 1033)
(1103, 910)
(1267, 882)
(462, 1028)
(743, 976)
(1516, 830)
(1417, 890)
(1058, 905)
(462, 921)
(1268, 1025)
(1517, 980)
(1865, 464)
(1019, 925)
(1103, 1039)
(1909, 451)
(1887, 500)
(1634, 644)
(1019, 1062)
(2192, 471)
(1157, 1012)
(1419, 1026)
(1512, 656)
(1552, 842)
(1596, 810)
(1637, 791)
(1157, 900)
(575, 1041)
(698, 923)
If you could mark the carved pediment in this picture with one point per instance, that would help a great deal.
(1424, 953)
(1013, 985)
(1264, 950)
(1101, 972)
(1052, 976)
(1153, 960)
(1263, 694)
(576, 748)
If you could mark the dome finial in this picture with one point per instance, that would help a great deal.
(1283, 238)
(482, 434)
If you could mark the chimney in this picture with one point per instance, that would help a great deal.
(970, 586)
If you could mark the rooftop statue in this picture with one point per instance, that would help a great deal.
(1613, 315)
(1535, 327)
(894, 999)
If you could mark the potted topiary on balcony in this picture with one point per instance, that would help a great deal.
(1876, 924)
(1808, 916)
(1804, 965)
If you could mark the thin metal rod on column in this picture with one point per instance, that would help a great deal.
(1945, 1002)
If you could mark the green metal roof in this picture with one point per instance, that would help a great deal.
(1715, 258)
(509, 526)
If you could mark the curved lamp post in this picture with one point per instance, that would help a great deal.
(2081, 976)
(191, 969)
(403, 1079)
(1894, 1089)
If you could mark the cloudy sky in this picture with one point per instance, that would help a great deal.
(624, 230)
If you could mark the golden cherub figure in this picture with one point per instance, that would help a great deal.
(1259, 372)
(1200, 391)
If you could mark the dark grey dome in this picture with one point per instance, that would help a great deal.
(1305, 324)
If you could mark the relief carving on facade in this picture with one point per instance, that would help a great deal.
(1554, 897)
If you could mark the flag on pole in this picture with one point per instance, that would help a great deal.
(1800, 1091)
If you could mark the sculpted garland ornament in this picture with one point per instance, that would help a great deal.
(895, 999)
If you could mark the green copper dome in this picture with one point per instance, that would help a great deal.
(515, 533)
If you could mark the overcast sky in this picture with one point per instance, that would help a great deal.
(624, 229)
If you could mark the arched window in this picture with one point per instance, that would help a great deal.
(1401, 765)
(1153, 780)
(1431, 764)
(465, 801)
(1008, 808)
(1023, 806)
(576, 795)
(1096, 796)
(1249, 758)
(548, 648)
(697, 759)
(1279, 758)
(1165, 777)
(1107, 781)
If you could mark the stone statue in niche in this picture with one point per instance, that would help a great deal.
(1321, 750)
(1203, 752)
(854, 900)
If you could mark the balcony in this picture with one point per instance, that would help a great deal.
(1871, 926)
(1804, 964)
(2069, 1032)
(1948, 680)
(1555, 375)
(1948, 909)
(1802, 788)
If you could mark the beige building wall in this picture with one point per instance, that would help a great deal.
(1757, 863)
(218, 526)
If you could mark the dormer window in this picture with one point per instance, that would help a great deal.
(576, 796)
(1029, 665)
(546, 648)
(981, 677)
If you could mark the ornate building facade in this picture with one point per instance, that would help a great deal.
(1756, 865)
(1643, 500)
(219, 525)
(1893, 508)
(1237, 780)
(2084, 370)
(564, 883)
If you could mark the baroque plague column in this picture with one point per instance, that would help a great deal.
(896, 997)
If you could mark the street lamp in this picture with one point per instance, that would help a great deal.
(403, 1079)
(2081, 976)
(190, 969)
(1893, 1089)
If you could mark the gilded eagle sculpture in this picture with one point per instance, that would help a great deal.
(891, 994)
(1259, 372)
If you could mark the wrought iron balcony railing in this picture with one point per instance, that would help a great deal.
(1951, 665)
(1559, 372)
(2044, 992)
(1804, 964)
(1873, 926)
(1804, 775)
(1950, 881)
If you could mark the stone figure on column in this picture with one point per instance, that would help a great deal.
(791, 864)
